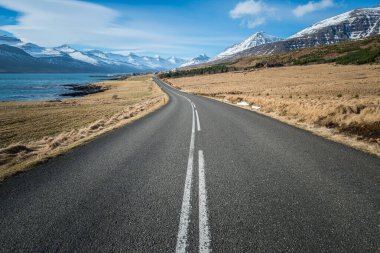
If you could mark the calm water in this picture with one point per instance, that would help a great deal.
(23, 87)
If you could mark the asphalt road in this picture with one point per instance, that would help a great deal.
(197, 176)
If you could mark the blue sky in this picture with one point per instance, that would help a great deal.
(181, 28)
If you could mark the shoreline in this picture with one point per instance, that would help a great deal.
(79, 90)
(46, 87)
(35, 131)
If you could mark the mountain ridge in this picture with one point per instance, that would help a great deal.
(88, 60)
(351, 25)
(257, 39)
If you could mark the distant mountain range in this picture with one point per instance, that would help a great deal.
(17, 56)
(352, 25)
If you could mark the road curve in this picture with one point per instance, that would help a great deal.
(197, 176)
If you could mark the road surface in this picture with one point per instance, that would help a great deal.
(197, 176)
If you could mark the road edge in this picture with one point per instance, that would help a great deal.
(328, 135)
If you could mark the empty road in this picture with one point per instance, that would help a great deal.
(197, 175)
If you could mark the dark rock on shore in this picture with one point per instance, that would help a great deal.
(82, 90)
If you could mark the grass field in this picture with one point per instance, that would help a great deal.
(33, 131)
(340, 102)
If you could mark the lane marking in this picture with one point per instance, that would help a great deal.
(186, 201)
(198, 124)
(204, 230)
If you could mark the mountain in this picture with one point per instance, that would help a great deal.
(37, 51)
(352, 25)
(257, 39)
(16, 60)
(8, 39)
(67, 59)
(356, 24)
(197, 60)
(176, 61)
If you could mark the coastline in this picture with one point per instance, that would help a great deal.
(35, 131)
(48, 86)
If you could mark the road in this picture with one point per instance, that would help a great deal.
(197, 175)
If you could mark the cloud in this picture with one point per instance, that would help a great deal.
(255, 22)
(88, 25)
(247, 8)
(301, 10)
(252, 13)
(51, 22)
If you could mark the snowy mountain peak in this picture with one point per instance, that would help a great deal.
(257, 39)
(65, 48)
(176, 61)
(358, 23)
(197, 60)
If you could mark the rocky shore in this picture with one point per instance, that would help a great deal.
(82, 90)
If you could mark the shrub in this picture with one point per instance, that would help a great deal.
(361, 56)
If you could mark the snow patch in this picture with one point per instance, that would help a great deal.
(242, 103)
(81, 57)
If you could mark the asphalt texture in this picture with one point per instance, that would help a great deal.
(266, 187)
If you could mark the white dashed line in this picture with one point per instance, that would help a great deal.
(186, 201)
(204, 231)
(198, 124)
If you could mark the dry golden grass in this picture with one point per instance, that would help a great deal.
(33, 131)
(335, 101)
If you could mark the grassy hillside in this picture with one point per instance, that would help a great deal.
(354, 52)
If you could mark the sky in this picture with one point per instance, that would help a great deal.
(167, 28)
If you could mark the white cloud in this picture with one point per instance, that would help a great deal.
(252, 13)
(56, 22)
(301, 10)
(88, 25)
(255, 22)
(247, 8)
(51, 22)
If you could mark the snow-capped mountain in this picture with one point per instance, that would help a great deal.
(257, 39)
(37, 51)
(91, 60)
(176, 61)
(75, 54)
(355, 24)
(197, 60)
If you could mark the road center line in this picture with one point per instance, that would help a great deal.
(198, 124)
(204, 231)
(186, 201)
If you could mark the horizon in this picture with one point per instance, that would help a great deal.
(156, 28)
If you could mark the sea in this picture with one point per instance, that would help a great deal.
(28, 87)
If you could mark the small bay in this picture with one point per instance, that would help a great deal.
(29, 87)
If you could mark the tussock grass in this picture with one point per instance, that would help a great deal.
(336, 101)
(34, 131)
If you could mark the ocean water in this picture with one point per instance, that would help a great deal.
(26, 87)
